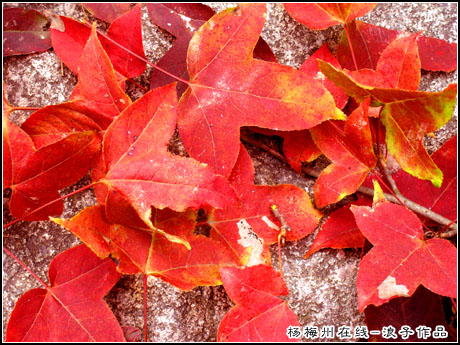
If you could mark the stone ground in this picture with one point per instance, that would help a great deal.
(322, 288)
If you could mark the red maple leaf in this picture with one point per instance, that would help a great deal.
(229, 89)
(340, 230)
(398, 66)
(401, 258)
(125, 30)
(72, 307)
(182, 21)
(173, 254)
(259, 314)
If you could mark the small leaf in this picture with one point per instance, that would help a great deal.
(323, 15)
(97, 82)
(50, 169)
(398, 66)
(127, 31)
(24, 32)
(404, 258)
(55, 122)
(69, 44)
(72, 309)
(17, 148)
(259, 316)
(350, 151)
(340, 230)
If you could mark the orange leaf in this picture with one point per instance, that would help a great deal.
(154, 253)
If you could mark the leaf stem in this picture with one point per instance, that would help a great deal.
(23, 108)
(369, 191)
(48, 204)
(389, 177)
(351, 46)
(26, 268)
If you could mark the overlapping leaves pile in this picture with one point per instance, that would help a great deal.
(148, 198)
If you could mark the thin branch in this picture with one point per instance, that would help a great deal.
(389, 177)
(351, 46)
(370, 192)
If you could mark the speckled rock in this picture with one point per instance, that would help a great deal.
(322, 287)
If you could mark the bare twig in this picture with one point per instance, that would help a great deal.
(369, 191)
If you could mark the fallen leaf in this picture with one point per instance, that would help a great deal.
(340, 230)
(138, 166)
(99, 101)
(407, 117)
(55, 122)
(24, 32)
(323, 15)
(441, 200)
(140, 250)
(351, 152)
(107, 12)
(17, 147)
(398, 66)
(369, 41)
(50, 169)
(259, 315)
(182, 21)
(126, 30)
(248, 228)
(72, 308)
(403, 257)
(230, 89)
(97, 82)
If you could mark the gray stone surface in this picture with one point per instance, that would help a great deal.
(322, 288)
